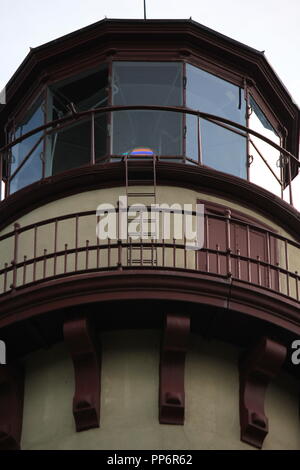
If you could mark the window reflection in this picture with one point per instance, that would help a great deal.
(71, 147)
(34, 118)
(147, 83)
(259, 172)
(221, 149)
(30, 172)
(86, 91)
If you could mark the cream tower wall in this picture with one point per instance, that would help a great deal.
(129, 399)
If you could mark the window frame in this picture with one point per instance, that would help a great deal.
(63, 71)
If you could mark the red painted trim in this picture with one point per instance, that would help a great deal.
(159, 284)
(11, 406)
(257, 369)
(172, 362)
(87, 369)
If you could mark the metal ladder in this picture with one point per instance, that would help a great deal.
(142, 253)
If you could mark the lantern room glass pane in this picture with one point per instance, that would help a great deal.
(88, 90)
(33, 119)
(147, 83)
(264, 157)
(220, 148)
(30, 172)
(69, 148)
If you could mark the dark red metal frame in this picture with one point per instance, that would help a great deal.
(86, 356)
(172, 364)
(257, 368)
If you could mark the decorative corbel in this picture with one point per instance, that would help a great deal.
(172, 362)
(257, 368)
(86, 357)
(11, 406)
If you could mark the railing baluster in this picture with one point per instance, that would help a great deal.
(120, 245)
(24, 270)
(207, 243)
(238, 263)
(87, 242)
(297, 285)
(34, 252)
(55, 248)
(185, 253)
(269, 283)
(45, 264)
(287, 267)
(174, 252)
(248, 254)
(65, 259)
(15, 257)
(142, 252)
(258, 270)
(152, 252)
(5, 277)
(199, 141)
(76, 241)
(278, 273)
(98, 245)
(120, 253)
(290, 181)
(130, 251)
(218, 258)
(163, 237)
(228, 243)
(108, 254)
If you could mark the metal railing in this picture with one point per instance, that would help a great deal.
(67, 245)
(287, 161)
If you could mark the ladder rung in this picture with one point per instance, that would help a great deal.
(140, 194)
(144, 248)
(149, 235)
(145, 261)
(138, 220)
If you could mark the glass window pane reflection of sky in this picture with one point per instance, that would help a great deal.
(221, 149)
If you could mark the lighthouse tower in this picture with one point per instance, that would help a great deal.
(149, 244)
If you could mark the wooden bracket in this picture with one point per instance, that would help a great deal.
(257, 368)
(172, 362)
(86, 357)
(11, 406)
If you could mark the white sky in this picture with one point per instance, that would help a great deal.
(270, 25)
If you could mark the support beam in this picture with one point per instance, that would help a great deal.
(11, 406)
(257, 368)
(172, 363)
(85, 353)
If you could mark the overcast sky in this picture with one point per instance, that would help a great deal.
(269, 25)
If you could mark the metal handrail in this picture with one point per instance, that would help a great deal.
(177, 109)
(276, 266)
(244, 131)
